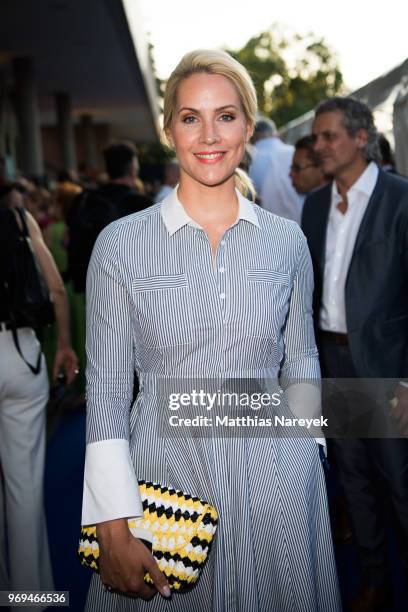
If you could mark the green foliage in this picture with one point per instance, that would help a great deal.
(154, 154)
(291, 73)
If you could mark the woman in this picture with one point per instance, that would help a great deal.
(23, 400)
(204, 284)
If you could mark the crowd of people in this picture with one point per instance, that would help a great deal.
(340, 223)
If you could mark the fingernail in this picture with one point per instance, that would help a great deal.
(166, 591)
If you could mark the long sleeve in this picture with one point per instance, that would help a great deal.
(110, 484)
(300, 370)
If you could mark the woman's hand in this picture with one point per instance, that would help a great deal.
(66, 360)
(124, 560)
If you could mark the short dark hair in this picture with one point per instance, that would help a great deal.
(118, 159)
(357, 116)
(265, 125)
(307, 143)
(387, 156)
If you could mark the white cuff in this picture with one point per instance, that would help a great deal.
(305, 402)
(111, 490)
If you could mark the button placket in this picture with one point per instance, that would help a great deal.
(220, 272)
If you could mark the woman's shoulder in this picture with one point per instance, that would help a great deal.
(129, 229)
(133, 223)
(279, 226)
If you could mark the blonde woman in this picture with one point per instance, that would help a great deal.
(204, 284)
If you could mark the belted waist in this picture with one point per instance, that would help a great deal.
(7, 326)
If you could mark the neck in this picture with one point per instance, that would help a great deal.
(349, 176)
(208, 205)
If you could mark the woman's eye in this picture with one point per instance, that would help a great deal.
(189, 119)
(227, 117)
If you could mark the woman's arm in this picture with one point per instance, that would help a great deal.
(300, 369)
(65, 357)
(111, 492)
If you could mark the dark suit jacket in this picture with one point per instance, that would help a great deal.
(376, 292)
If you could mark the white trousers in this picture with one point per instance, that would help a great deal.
(23, 397)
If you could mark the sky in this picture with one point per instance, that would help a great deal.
(370, 38)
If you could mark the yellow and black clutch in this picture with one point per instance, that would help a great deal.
(182, 526)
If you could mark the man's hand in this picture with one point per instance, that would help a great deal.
(399, 409)
(124, 560)
(66, 359)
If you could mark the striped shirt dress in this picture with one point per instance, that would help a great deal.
(160, 304)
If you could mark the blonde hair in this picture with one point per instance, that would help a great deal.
(213, 62)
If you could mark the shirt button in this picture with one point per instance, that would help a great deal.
(222, 243)
(222, 296)
(222, 269)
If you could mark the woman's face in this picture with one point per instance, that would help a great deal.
(209, 129)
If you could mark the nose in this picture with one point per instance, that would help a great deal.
(209, 132)
(318, 144)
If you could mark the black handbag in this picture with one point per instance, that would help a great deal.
(29, 301)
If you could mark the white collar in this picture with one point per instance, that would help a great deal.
(175, 217)
(364, 184)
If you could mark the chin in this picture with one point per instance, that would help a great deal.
(213, 180)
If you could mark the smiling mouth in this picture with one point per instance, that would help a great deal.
(210, 158)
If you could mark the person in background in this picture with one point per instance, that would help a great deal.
(357, 232)
(55, 237)
(122, 167)
(305, 172)
(171, 178)
(95, 209)
(387, 156)
(269, 171)
(55, 234)
(23, 399)
(38, 202)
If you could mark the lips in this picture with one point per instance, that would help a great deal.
(212, 157)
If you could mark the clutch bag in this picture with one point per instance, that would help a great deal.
(183, 527)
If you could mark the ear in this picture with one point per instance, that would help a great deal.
(249, 132)
(169, 139)
(362, 138)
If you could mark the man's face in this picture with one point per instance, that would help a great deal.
(304, 172)
(338, 151)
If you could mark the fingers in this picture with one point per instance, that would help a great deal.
(146, 592)
(67, 360)
(125, 572)
(157, 576)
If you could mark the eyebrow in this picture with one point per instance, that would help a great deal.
(195, 110)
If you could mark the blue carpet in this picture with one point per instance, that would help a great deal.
(63, 499)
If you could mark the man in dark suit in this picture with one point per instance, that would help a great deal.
(357, 231)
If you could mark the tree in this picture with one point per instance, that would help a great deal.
(291, 73)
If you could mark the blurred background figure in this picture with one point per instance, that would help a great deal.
(269, 171)
(305, 171)
(24, 389)
(55, 234)
(171, 178)
(38, 203)
(96, 208)
(387, 156)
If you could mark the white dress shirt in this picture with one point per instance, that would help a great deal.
(269, 171)
(342, 230)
